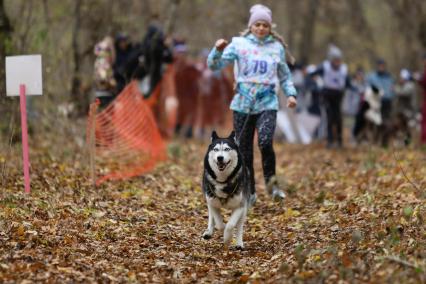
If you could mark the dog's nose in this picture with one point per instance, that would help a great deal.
(220, 158)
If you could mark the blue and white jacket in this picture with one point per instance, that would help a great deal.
(383, 81)
(260, 68)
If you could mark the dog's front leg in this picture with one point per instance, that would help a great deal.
(230, 226)
(218, 220)
(210, 227)
(240, 229)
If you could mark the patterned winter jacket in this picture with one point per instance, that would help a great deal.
(105, 57)
(260, 68)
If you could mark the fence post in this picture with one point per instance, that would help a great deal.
(92, 142)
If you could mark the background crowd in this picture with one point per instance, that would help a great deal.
(344, 106)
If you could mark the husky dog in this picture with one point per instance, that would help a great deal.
(226, 185)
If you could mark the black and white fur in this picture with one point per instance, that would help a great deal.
(226, 185)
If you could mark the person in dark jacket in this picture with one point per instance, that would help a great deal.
(123, 51)
(152, 53)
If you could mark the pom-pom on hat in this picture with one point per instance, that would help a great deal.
(260, 12)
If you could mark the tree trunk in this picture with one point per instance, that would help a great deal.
(75, 79)
(26, 14)
(408, 16)
(293, 8)
(172, 15)
(308, 31)
(422, 33)
(360, 24)
(5, 44)
(46, 14)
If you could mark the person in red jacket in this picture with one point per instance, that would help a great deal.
(187, 89)
(422, 82)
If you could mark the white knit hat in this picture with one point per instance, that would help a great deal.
(405, 74)
(334, 52)
(260, 12)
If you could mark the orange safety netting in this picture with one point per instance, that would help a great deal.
(125, 138)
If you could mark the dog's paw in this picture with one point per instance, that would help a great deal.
(239, 247)
(233, 247)
(207, 235)
(227, 242)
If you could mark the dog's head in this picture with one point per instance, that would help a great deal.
(223, 154)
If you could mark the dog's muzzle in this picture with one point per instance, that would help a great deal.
(221, 164)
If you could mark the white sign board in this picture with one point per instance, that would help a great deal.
(24, 69)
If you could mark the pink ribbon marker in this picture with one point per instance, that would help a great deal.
(25, 155)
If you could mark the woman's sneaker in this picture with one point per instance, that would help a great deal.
(252, 199)
(277, 194)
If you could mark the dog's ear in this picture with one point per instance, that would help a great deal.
(233, 136)
(375, 89)
(214, 135)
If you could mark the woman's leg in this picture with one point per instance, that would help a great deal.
(245, 132)
(265, 125)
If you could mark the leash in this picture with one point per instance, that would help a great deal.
(253, 102)
(244, 126)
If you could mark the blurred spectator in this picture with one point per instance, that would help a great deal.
(406, 95)
(215, 96)
(369, 110)
(123, 51)
(298, 75)
(187, 90)
(405, 91)
(352, 100)
(422, 82)
(313, 87)
(151, 56)
(383, 80)
(104, 82)
(335, 76)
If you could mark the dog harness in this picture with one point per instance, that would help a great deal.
(211, 191)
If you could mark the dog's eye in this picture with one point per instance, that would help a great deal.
(227, 149)
(216, 150)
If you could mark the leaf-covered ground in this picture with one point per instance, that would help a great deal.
(350, 216)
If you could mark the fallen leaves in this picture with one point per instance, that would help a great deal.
(350, 216)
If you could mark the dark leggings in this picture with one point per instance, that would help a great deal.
(360, 119)
(265, 123)
(333, 101)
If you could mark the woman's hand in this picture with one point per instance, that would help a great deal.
(291, 102)
(221, 44)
